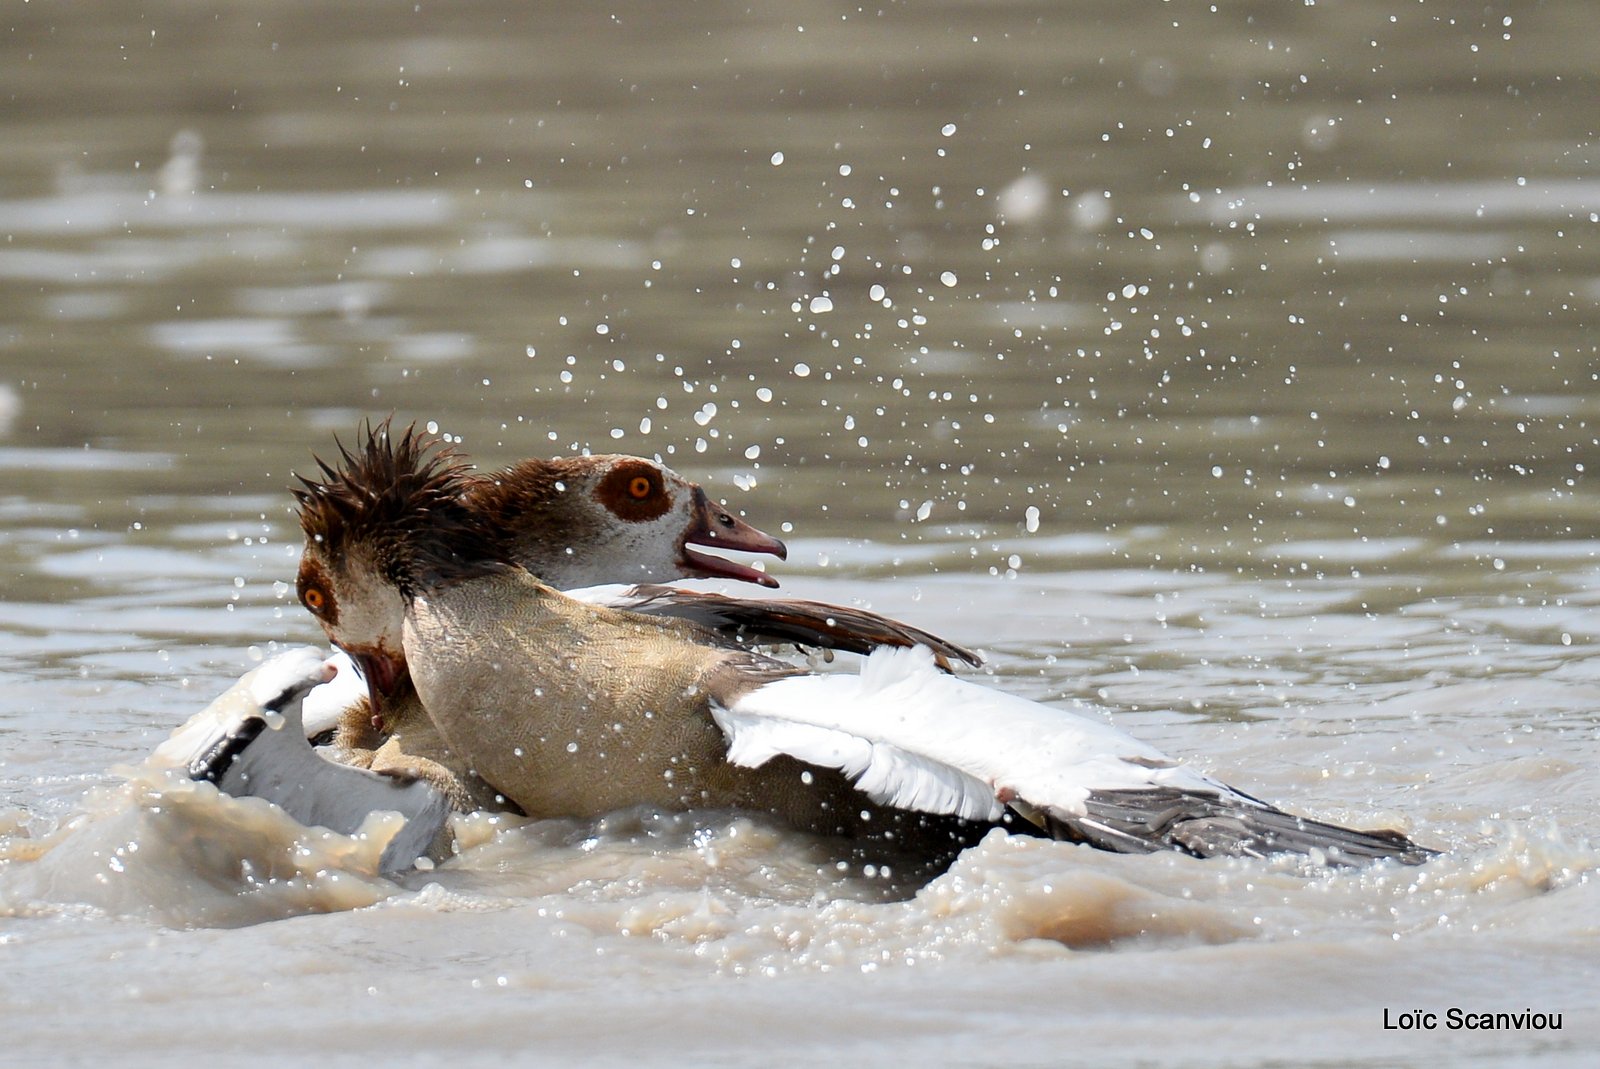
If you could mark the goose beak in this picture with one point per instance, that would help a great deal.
(386, 676)
(716, 527)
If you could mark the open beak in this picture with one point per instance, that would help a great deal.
(386, 676)
(715, 526)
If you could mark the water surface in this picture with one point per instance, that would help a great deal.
(1234, 369)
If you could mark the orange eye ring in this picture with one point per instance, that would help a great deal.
(314, 599)
(639, 487)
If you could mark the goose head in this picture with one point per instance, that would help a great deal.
(384, 523)
(587, 520)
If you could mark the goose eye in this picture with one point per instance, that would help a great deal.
(633, 491)
(315, 589)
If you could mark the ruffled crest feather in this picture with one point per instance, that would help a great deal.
(398, 499)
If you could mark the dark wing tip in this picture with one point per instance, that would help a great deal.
(213, 764)
(1219, 825)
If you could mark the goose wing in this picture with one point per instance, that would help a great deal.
(764, 621)
(251, 742)
(326, 706)
(914, 738)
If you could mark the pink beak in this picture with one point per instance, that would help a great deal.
(715, 526)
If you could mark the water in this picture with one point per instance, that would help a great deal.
(1232, 369)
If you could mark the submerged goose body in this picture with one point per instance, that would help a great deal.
(573, 709)
(251, 742)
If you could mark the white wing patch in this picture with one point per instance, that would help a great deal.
(917, 738)
(325, 706)
(245, 699)
(247, 749)
(612, 595)
(886, 773)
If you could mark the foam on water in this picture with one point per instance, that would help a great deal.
(165, 849)
(742, 894)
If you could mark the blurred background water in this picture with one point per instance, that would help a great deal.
(1231, 365)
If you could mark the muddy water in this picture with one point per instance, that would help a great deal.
(1233, 369)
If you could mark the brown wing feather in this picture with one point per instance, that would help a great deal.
(787, 620)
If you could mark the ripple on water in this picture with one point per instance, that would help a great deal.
(273, 342)
(114, 211)
(1473, 202)
(85, 459)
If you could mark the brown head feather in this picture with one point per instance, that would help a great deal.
(526, 499)
(399, 500)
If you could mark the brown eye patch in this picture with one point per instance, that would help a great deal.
(315, 592)
(634, 490)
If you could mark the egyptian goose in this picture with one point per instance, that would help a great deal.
(574, 709)
(575, 520)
